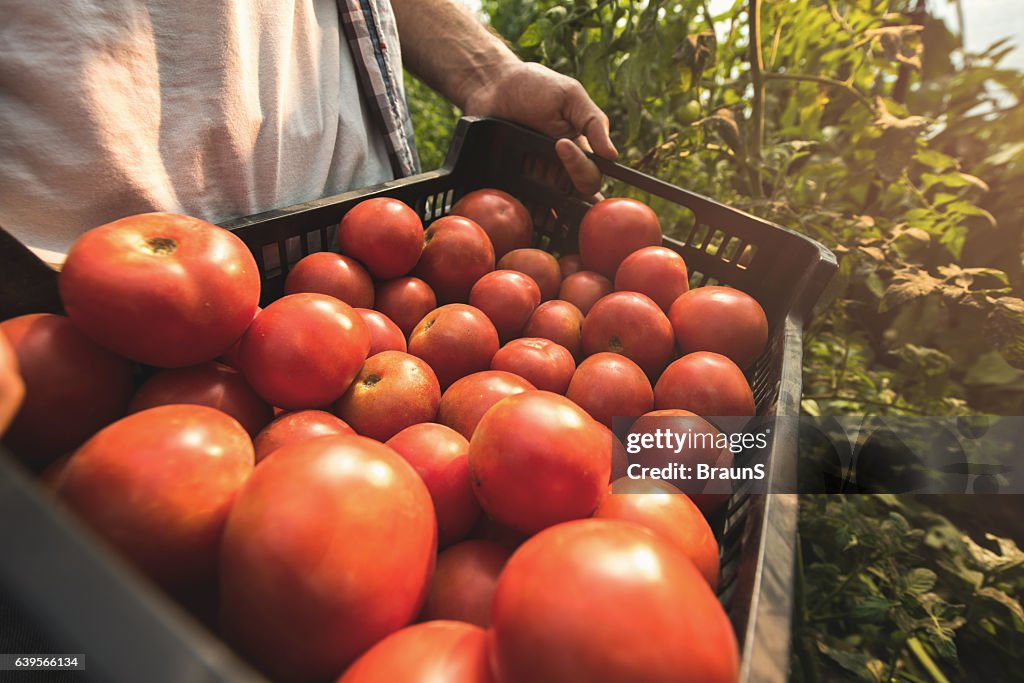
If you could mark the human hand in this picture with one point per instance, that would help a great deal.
(554, 104)
(12, 389)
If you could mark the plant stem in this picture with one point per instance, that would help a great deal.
(927, 662)
(757, 113)
(825, 80)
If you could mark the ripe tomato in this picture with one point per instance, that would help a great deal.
(667, 511)
(162, 289)
(723, 320)
(384, 334)
(464, 582)
(328, 548)
(613, 229)
(72, 386)
(658, 272)
(325, 272)
(508, 298)
(503, 217)
(620, 461)
(232, 357)
(559, 321)
(631, 324)
(608, 385)
(466, 400)
(384, 234)
(302, 425)
(537, 459)
(405, 300)
(584, 289)
(303, 351)
(158, 486)
(392, 391)
(456, 340)
(704, 445)
(440, 456)
(607, 601)
(543, 363)
(457, 253)
(569, 264)
(208, 384)
(705, 383)
(541, 266)
(432, 652)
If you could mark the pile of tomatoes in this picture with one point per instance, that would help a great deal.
(400, 470)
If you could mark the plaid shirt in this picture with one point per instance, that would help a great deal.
(369, 26)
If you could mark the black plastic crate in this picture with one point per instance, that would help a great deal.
(783, 270)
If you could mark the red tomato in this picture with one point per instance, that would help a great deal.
(464, 582)
(384, 334)
(658, 272)
(433, 652)
(585, 288)
(543, 363)
(405, 300)
(325, 272)
(503, 217)
(608, 385)
(620, 461)
(158, 486)
(208, 384)
(456, 340)
(508, 298)
(232, 357)
(392, 391)
(704, 445)
(723, 320)
(631, 324)
(613, 229)
(162, 289)
(384, 234)
(440, 456)
(569, 264)
(458, 253)
(72, 386)
(667, 511)
(329, 547)
(537, 459)
(705, 383)
(541, 266)
(304, 350)
(559, 321)
(607, 601)
(295, 427)
(489, 529)
(466, 401)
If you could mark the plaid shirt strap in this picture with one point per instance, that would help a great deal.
(369, 26)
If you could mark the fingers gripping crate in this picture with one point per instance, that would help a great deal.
(784, 271)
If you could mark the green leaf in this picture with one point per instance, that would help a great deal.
(935, 159)
(533, 35)
(920, 580)
(906, 285)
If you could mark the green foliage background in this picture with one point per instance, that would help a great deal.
(865, 125)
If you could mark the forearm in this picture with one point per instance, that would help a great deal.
(449, 48)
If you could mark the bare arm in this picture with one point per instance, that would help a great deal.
(455, 54)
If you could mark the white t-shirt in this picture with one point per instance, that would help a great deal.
(215, 109)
